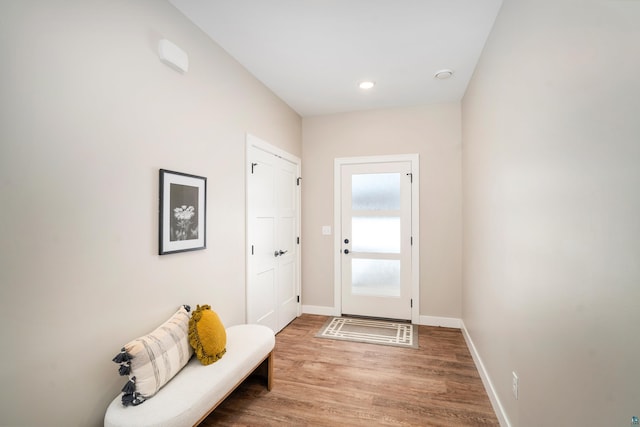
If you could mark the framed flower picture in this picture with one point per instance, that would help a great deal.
(183, 212)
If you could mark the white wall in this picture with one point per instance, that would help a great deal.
(88, 116)
(434, 133)
(551, 211)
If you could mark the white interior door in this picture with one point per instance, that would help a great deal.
(273, 259)
(376, 239)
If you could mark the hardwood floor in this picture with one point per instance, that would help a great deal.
(324, 382)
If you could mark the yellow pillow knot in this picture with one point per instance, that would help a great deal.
(207, 335)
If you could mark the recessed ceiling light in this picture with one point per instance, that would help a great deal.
(366, 85)
(443, 74)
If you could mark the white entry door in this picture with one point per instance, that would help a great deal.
(273, 224)
(376, 239)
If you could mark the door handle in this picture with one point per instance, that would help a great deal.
(279, 253)
(346, 251)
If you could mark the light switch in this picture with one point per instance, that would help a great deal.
(326, 230)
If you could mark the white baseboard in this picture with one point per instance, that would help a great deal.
(319, 309)
(486, 380)
(445, 322)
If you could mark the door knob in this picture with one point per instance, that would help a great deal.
(346, 241)
(346, 251)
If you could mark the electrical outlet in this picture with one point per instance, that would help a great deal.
(514, 385)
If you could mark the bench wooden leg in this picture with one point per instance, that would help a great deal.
(270, 371)
(265, 370)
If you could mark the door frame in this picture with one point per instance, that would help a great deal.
(414, 160)
(255, 142)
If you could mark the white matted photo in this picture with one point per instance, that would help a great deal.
(183, 212)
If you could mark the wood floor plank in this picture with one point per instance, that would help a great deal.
(323, 382)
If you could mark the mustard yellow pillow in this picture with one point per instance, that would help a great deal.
(207, 335)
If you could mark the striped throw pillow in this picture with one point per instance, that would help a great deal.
(153, 359)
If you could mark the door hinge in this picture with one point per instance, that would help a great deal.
(410, 175)
(298, 240)
(298, 298)
(411, 304)
(251, 249)
(252, 166)
(411, 240)
(298, 179)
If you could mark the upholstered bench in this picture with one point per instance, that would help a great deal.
(197, 390)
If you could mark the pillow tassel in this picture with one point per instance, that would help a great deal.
(132, 399)
(130, 386)
(130, 396)
(127, 399)
(125, 369)
(122, 357)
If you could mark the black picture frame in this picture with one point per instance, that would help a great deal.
(183, 212)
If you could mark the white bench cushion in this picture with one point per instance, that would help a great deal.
(197, 388)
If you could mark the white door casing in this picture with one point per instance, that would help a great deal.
(273, 230)
(359, 289)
